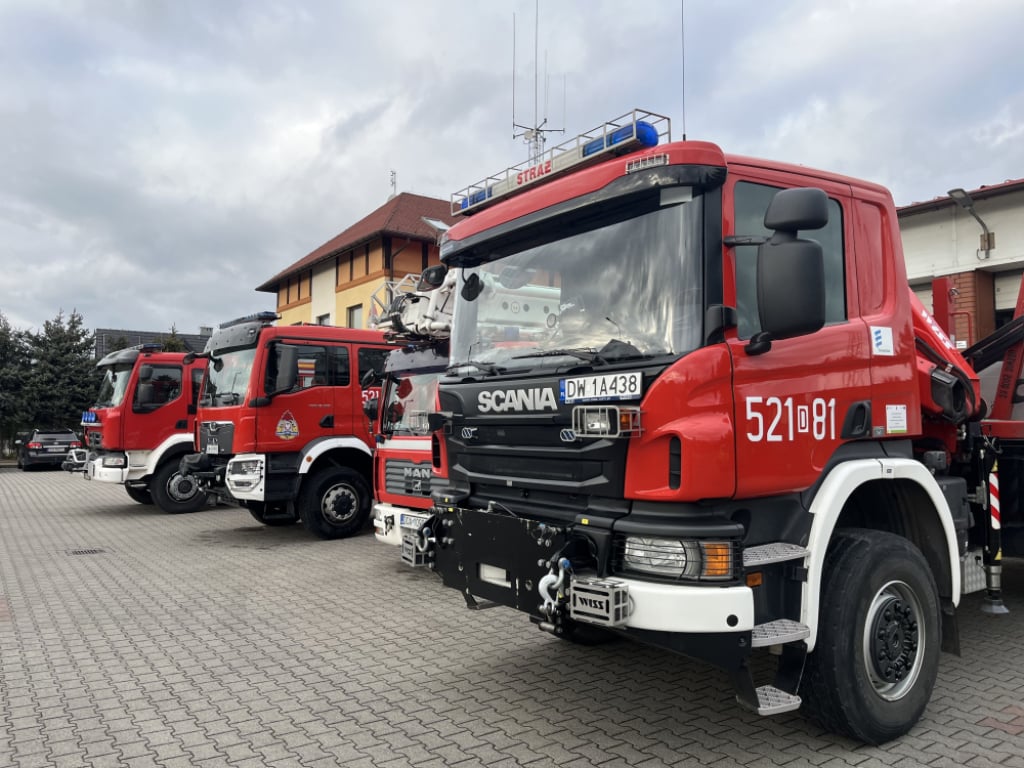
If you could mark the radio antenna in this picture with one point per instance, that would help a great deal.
(682, 39)
(534, 135)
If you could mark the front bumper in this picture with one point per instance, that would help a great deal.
(512, 561)
(245, 476)
(391, 524)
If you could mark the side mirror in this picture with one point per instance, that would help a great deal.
(790, 270)
(432, 277)
(145, 372)
(287, 367)
(370, 378)
(189, 358)
(371, 408)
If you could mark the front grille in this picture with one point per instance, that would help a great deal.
(408, 478)
(534, 468)
(216, 437)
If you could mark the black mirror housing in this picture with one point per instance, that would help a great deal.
(371, 408)
(432, 277)
(790, 288)
(795, 209)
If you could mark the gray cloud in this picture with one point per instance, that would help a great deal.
(161, 159)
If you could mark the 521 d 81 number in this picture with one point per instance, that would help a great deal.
(775, 420)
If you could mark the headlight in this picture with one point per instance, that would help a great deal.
(678, 558)
(113, 461)
(246, 467)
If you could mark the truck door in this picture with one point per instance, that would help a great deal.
(306, 410)
(792, 402)
(157, 404)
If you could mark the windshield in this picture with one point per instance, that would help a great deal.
(113, 386)
(627, 290)
(410, 398)
(227, 377)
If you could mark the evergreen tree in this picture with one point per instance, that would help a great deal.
(14, 367)
(173, 342)
(63, 380)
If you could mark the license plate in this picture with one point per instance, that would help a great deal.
(610, 386)
(57, 449)
(410, 521)
(212, 447)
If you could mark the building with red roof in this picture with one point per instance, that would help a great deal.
(336, 283)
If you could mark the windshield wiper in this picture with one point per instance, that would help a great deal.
(492, 368)
(589, 354)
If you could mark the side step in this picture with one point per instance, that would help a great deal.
(776, 552)
(778, 632)
(774, 701)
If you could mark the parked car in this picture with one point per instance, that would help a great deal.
(45, 447)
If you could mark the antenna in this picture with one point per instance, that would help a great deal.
(394, 184)
(534, 135)
(682, 39)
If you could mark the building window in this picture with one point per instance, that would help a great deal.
(323, 319)
(355, 316)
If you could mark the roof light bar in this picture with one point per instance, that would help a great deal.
(266, 318)
(634, 130)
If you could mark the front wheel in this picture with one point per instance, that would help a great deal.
(334, 502)
(139, 494)
(174, 492)
(877, 655)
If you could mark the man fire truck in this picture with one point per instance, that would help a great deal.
(733, 427)
(418, 317)
(141, 426)
(281, 427)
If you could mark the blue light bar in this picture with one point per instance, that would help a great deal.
(633, 131)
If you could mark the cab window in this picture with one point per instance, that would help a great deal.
(751, 202)
(162, 386)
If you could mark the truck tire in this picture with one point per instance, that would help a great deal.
(334, 502)
(139, 494)
(174, 492)
(877, 655)
(275, 517)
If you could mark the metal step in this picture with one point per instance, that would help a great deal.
(776, 552)
(775, 701)
(778, 632)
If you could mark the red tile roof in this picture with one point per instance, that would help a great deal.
(401, 216)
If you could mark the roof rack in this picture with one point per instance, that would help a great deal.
(627, 133)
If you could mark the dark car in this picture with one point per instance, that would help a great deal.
(45, 447)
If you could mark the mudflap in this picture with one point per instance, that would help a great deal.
(497, 557)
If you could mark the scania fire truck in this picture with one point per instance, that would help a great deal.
(718, 422)
(281, 428)
(418, 316)
(142, 425)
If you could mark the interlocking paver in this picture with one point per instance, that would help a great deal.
(207, 639)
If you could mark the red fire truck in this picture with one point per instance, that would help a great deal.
(142, 425)
(418, 317)
(281, 427)
(707, 413)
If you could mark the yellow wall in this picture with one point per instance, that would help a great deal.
(296, 314)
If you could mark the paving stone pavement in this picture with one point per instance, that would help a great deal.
(130, 637)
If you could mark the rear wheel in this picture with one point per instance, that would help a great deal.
(174, 492)
(139, 493)
(334, 503)
(877, 655)
(272, 514)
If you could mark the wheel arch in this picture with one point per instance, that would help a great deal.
(337, 451)
(898, 496)
(174, 446)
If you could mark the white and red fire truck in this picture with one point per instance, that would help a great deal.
(418, 316)
(718, 423)
(281, 428)
(142, 425)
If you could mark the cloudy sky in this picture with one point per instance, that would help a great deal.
(159, 159)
